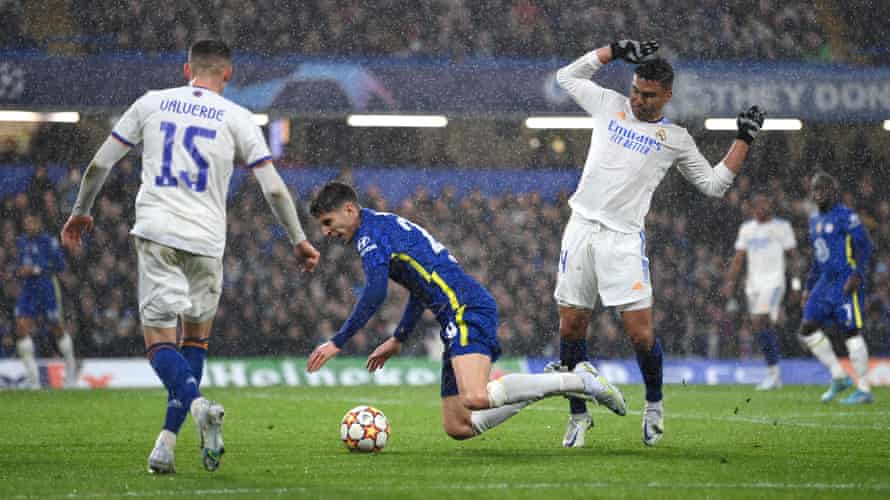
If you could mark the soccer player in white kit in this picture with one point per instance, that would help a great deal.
(192, 136)
(763, 242)
(603, 254)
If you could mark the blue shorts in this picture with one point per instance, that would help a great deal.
(825, 307)
(41, 298)
(476, 335)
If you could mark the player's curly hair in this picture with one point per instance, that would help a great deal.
(331, 197)
(657, 70)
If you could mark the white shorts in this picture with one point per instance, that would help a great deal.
(765, 300)
(597, 261)
(174, 282)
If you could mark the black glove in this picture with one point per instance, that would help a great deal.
(749, 123)
(633, 51)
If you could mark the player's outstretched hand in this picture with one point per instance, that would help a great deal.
(384, 351)
(307, 255)
(321, 355)
(74, 228)
(749, 123)
(633, 51)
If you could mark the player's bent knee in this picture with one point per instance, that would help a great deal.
(475, 401)
(459, 431)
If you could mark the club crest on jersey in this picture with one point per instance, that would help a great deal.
(661, 134)
(364, 245)
(829, 227)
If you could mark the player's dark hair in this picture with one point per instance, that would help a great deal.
(331, 197)
(209, 55)
(657, 70)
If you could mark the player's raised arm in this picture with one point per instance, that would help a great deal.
(111, 151)
(282, 204)
(575, 77)
(715, 181)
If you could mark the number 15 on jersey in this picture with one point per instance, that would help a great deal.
(192, 132)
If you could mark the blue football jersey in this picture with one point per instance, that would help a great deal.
(42, 251)
(840, 245)
(392, 247)
(41, 294)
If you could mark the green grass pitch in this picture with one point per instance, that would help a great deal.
(720, 442)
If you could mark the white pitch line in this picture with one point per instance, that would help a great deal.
(472, 487)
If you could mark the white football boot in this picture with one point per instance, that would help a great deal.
(653, 422)
(578, 425)
(598, 389)
(160, 461)
(771, 382)
(208, 418)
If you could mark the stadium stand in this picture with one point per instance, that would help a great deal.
(762, 29)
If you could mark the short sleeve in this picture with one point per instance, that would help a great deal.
(250, 143)
(128, 129)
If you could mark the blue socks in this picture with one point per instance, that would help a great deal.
(182, 387)
(770, 345)
(651, 367)
(572, 352)
(195, 352)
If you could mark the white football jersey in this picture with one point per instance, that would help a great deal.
(765, 244)
(192, 137)
(628, 158)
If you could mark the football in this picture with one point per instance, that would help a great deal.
(364, 429)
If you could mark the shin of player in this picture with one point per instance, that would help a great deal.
(192, 137)
(835, 289)
(603, 254)
(392, 247)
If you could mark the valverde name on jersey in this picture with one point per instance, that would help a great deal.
(188, 108)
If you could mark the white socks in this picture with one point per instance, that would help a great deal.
(858, 352)
(511, 393)
(820, 346)
(25, 348)
(166, 439)
(66, 347)
(483, 420)
(773, 371)
(519, 387)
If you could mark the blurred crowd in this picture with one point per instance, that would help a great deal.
(509, 242)
(763, 29)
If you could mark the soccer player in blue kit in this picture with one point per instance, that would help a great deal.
(40, 258)
(835, 288)
(392, 247)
